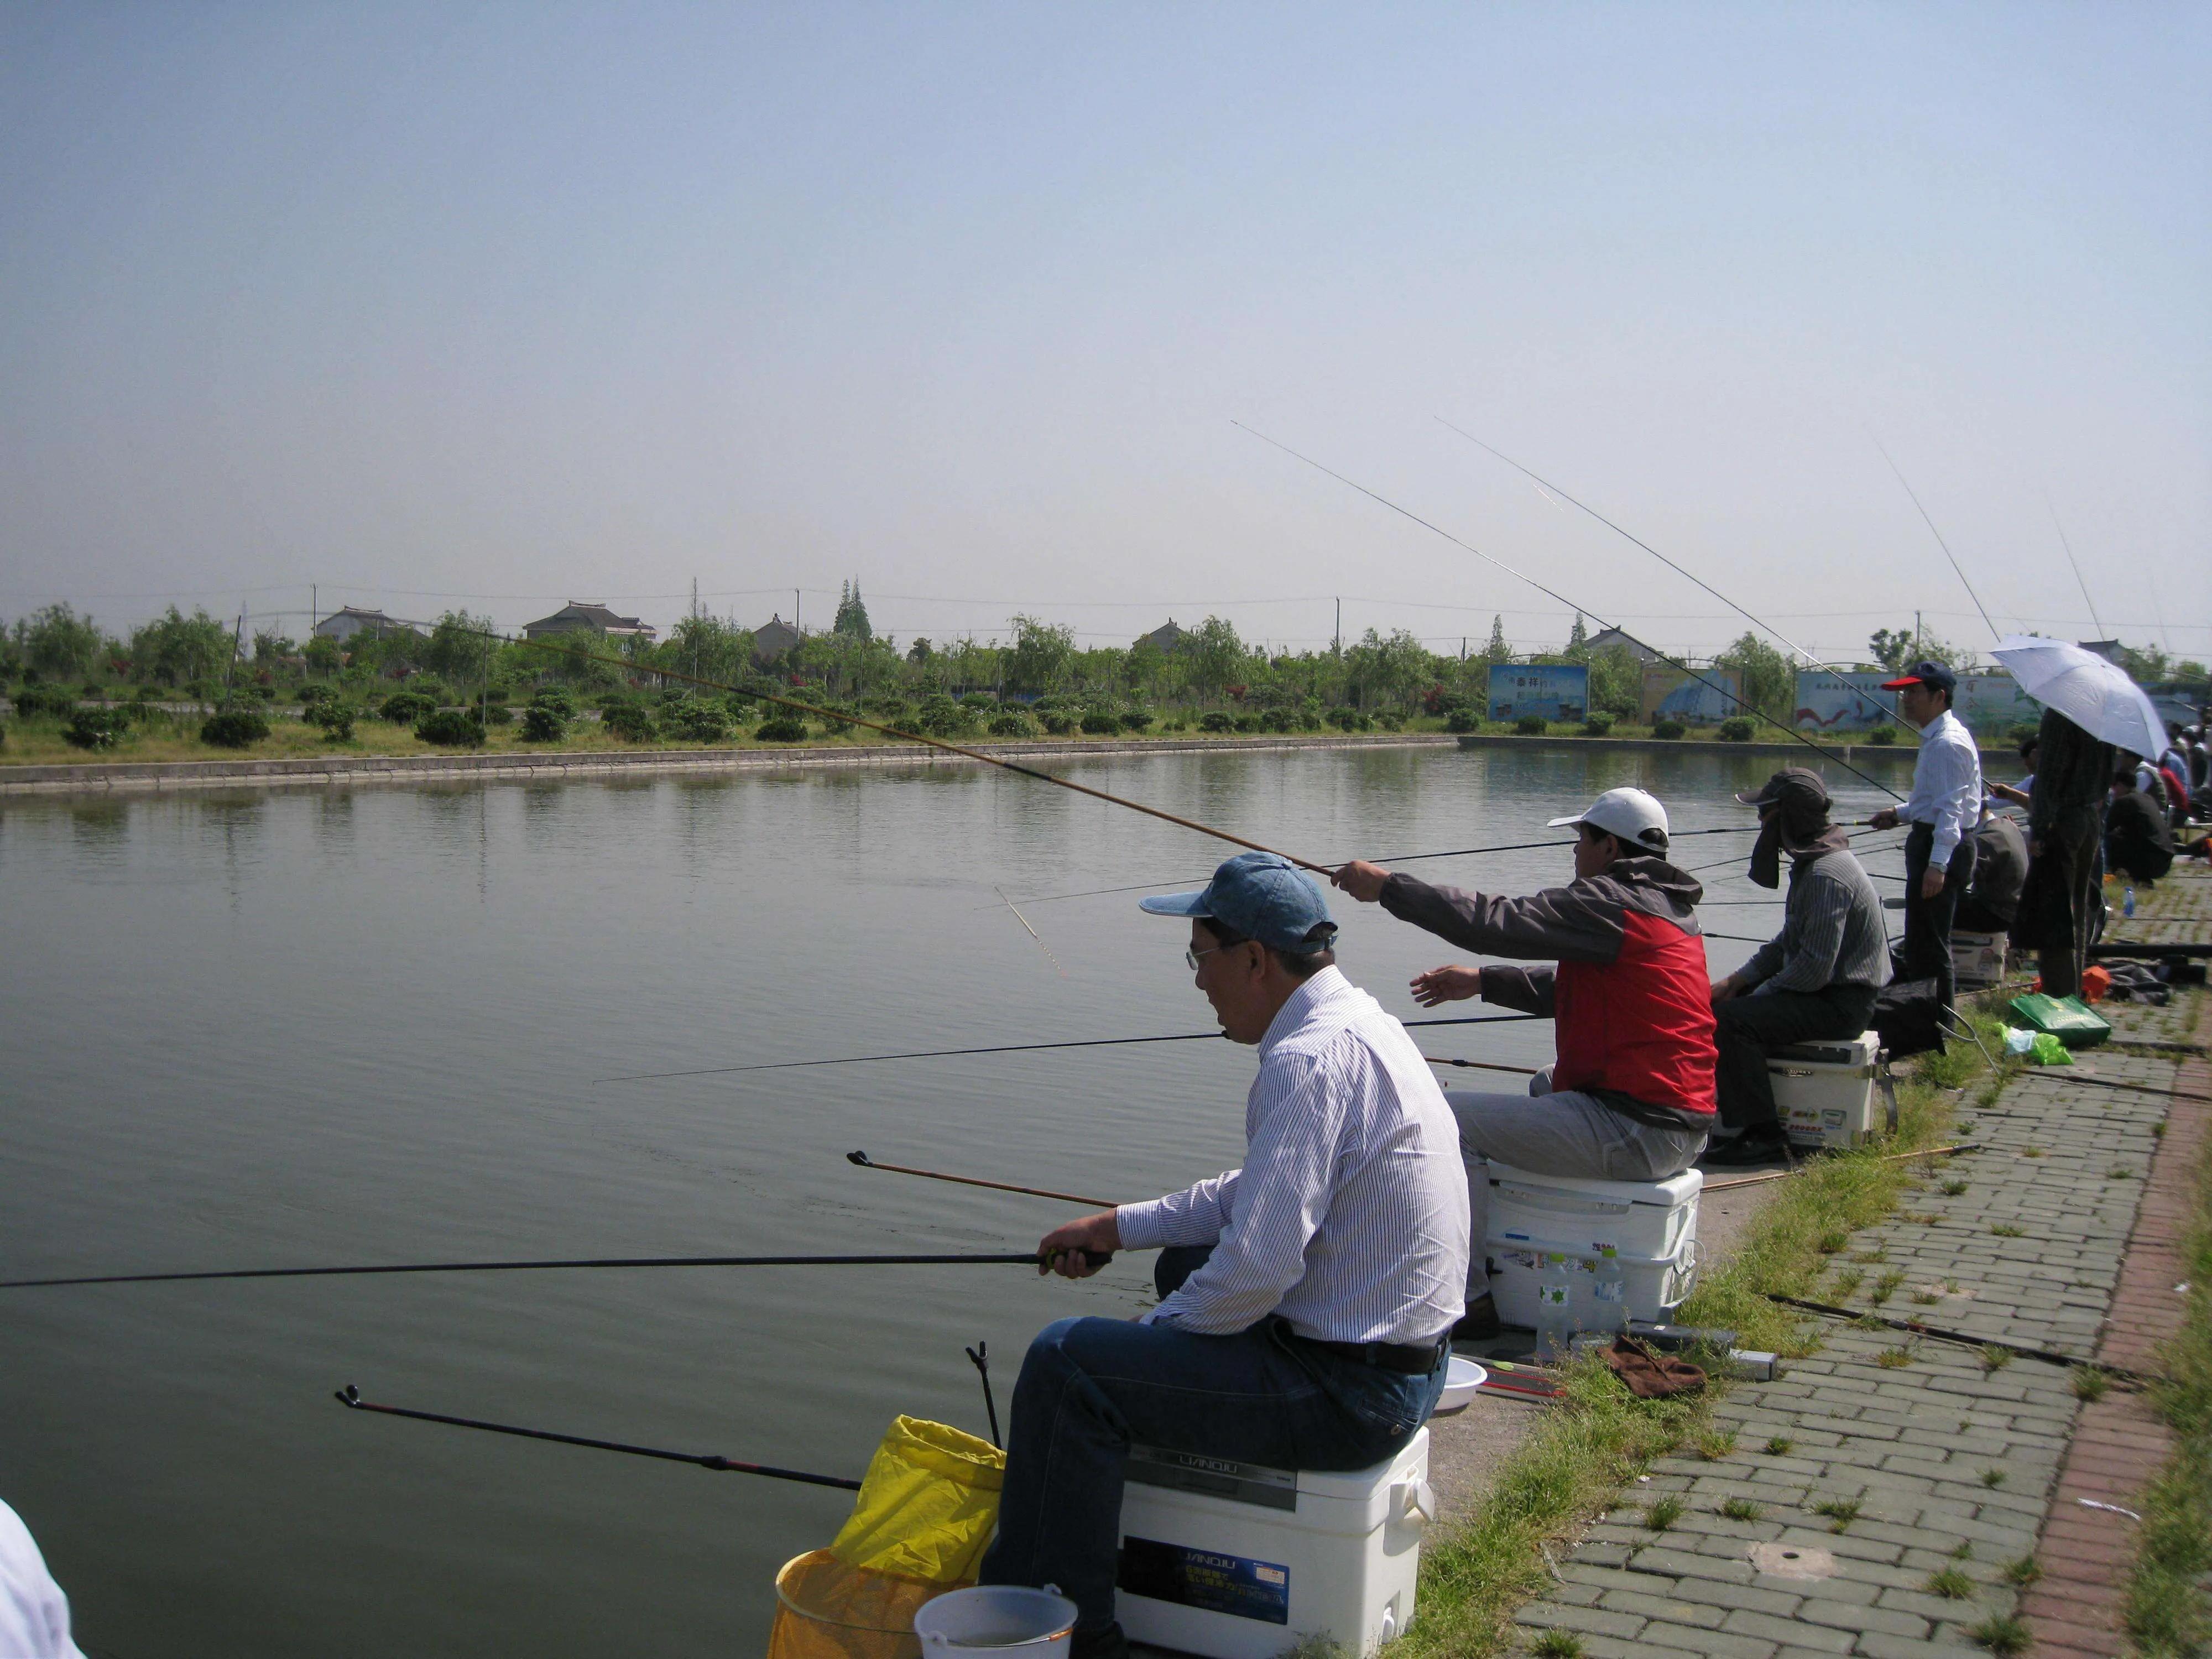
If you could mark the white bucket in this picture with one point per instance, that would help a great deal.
(997, 1619)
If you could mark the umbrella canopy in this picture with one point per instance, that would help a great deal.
(2095, 694)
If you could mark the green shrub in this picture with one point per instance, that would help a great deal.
(1175, 725)
(1251, 722)
(632, 722)
(1462, 720)
(2021, 732)
(97, 728)
(406, 708)
(1098, 723)
(542, 722)
(698, 722)
(741, 709)
(234, 728)
(1532, 726)
(1058, 722)
(1883, 735)
(1345, 718)
(979, 701)
(430, 686)
(1136, 720)
(498, 713)
(450, 728)
(1737, 728)
(782, 729)
(1598, 725)
(335, 717)
(311, 695)
(1670, 731)
(33, 701)
(1390, 720)
(555, 699)
(1013, 723)
(1216, 719)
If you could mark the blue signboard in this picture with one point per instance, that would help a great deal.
(1843, 703)
(1552, 690)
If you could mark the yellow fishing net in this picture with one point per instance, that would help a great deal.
(926, 1509)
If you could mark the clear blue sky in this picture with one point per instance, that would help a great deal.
(526, 302)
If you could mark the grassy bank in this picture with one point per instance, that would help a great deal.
(1592, 1443)
(2169, 1607)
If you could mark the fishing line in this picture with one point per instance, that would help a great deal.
(1007, 1048)
(1835, 673)
(349, 1397)
(866, 1163)
(1030, 1259)
(1994, 632)
(1672, 661)
(836, 718)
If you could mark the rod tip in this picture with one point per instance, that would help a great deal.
(348, 1395)
(856, 1157)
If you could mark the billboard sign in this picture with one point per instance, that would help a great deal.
(1843, 703)
(1555, 690)
(1992, 702)
(1712, 696)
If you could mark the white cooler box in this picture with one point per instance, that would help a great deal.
(1837, 1093)
(1652, 1226)
(1977, 959)
(1236, 1561)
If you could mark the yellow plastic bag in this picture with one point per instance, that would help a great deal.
(928, 1505)
(927, 1508)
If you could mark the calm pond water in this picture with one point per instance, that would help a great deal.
(265, 1030)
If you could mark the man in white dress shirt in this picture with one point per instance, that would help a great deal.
(1945, 802)
(1307, 1298)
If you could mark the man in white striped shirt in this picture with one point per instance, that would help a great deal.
(1945, 803)
(1307, 1299)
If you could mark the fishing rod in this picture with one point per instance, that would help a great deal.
(839, 718)
(1936, 1333)
(1789, 732)
(2071, 561)
(1008, 1049)
(1484, 1065)
(1396, 858)
(1833, 673)
(864, 1162)
(349, 1397)
(1994, 632)
(1027, 1259)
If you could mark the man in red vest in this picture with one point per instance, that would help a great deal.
(1631, 1097)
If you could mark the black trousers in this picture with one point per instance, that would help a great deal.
(1928, 922)
(1749, 1028)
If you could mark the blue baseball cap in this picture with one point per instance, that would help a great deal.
(1262, 896)
(1935, 676)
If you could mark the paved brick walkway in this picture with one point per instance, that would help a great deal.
(1888, 1494)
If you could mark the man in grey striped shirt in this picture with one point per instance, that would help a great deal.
(1816, 979)
(1307, 1299)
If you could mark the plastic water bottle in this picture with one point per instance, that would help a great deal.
(1608, 1313)
(2128, 902)
(1555, 1317)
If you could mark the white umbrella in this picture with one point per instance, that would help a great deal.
(2095, 694)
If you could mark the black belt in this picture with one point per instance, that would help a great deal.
(1390, 1356)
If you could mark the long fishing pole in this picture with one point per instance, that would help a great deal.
(2074, 563)
(1789, 732)
(1027, 1259)
(349, 1397)
(1007, 1048)
(1835, 673)
(1956, 566)
(1396, 858)
(838, 717)
(864, 1162)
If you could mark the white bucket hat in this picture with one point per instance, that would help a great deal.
(1629, 815)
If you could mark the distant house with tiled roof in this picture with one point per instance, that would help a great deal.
(344, 622)
(1168, 640)
(578, 616)
(1606, 636)
(773, 639)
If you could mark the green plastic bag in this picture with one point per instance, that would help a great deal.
(2068, 1018)
(2048, 1050)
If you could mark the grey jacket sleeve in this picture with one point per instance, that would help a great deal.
(1766, 962)
(1526, 990)
(1576, 923)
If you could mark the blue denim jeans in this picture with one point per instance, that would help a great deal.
(1090, 1387)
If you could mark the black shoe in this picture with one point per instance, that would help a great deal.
(1480, 1322)
(1759, 1146)
(1107, 1641)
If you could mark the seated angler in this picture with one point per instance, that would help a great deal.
(2138, 844)
(1815, 979)
(1631, 1097)
(1307, 1298)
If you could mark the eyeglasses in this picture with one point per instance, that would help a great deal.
(1192, 956)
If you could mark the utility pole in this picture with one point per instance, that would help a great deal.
(1338, 647)
(794, 611)
(1916, 638)
(314, 609)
